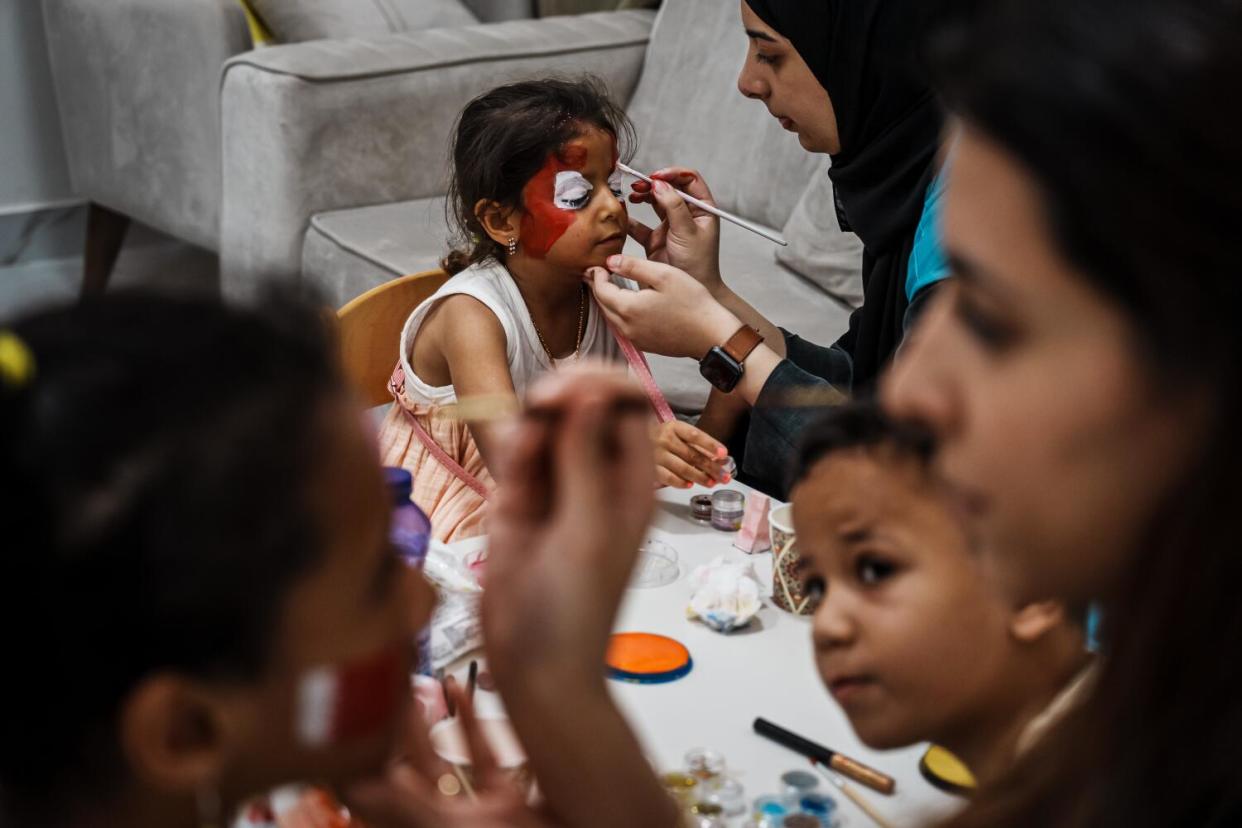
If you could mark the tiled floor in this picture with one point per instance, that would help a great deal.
(165, 264)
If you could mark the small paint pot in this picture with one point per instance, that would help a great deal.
(701, 509)
(728, 507)
(707, 815)
(729, 468)
(819, 806)
(801, 821)
(795, 785)
(768, 812)
(729, 795)
(681, 786)
(707, 765)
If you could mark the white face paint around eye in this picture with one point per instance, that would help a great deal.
(572, 191)
(615, 182)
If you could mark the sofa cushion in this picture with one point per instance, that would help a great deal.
(818, 248)
(347, 252)
(494, 11)
(552, 8)
(293, 21)
(688, 112)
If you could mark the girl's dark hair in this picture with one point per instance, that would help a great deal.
(156, 513)
(1126, 113)
(503, 138)
(860, 425)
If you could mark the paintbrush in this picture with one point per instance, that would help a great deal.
(491, 408)
(448, 702)
(450, 685)
(708, 208)
(840, 763)
(472, 678)
(852, 795)
(465, 783)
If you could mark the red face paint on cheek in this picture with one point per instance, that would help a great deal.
(544, 223)
(341, 703)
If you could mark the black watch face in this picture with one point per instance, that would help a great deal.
(720, 369)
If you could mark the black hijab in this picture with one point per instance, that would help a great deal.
(864, 54)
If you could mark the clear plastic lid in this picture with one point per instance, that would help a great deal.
(656, 565)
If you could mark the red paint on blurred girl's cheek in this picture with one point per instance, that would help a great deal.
(340, 703)
(544, 223)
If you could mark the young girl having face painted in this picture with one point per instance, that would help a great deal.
(912, 637)
(537, 193)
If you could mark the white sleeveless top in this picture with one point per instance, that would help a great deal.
(492, 285)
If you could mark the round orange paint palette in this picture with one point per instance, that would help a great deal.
(647, 658)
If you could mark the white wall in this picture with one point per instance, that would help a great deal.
(33, 173)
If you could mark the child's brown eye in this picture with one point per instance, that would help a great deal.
(872, 570)
(814, 588)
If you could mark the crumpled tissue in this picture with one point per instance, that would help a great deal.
(726, 594)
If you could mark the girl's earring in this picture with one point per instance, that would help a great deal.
(513, 245)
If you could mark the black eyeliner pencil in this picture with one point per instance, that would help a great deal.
(843, 765)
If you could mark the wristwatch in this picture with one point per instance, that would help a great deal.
(722, 366)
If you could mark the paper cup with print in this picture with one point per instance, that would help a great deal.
(786, 583)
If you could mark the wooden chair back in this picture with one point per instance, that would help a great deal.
(370, 331)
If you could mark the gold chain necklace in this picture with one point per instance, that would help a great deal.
(582, 306)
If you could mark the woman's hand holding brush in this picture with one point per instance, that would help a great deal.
(687, 237)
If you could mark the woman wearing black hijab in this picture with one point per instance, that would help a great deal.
(843, 75)
(889, 125)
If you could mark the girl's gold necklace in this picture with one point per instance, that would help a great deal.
(582, 306)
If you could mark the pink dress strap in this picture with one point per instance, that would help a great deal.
(396, 387)
(638, 364)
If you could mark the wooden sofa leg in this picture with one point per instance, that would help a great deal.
(105, 233)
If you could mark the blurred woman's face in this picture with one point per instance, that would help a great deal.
(1054, 435)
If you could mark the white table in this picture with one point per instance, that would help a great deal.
(766, 670)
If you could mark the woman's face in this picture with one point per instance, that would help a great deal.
(1054, 436)
(776, 74)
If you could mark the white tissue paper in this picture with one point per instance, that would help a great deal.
(455, 625)
(726, 594)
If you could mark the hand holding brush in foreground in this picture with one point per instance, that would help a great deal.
(574, 503)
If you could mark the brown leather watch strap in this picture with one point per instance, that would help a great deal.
(742, 343)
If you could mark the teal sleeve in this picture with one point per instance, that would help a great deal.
(927, 263)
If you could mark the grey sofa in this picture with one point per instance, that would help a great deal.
(687, 110)
(329, 125)
(325, 161)
(138, 84)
